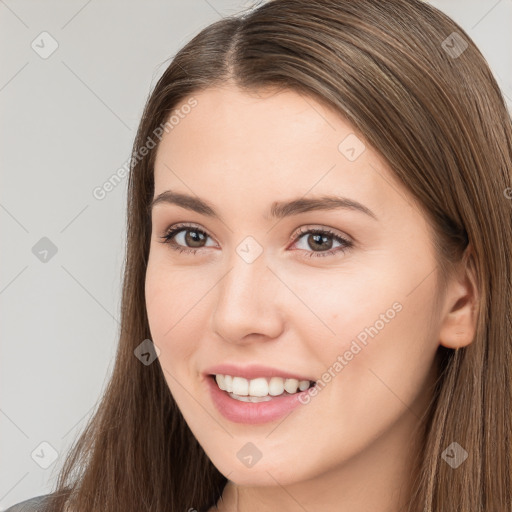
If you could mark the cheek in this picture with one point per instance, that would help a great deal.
(173, 305)
(345, 304)
(382, 355)
(377, 320)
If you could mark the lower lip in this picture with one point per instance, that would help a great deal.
(252, 413)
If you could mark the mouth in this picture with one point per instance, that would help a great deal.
(260, 389)
(256, 400)
(257, 394)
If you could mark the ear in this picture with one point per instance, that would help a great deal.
(458, 326)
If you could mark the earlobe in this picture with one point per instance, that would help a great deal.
(458, 326)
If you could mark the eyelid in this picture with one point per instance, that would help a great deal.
(346, 241)
(174, 229)
(322, 229)
(300, 231)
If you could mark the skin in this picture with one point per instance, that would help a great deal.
(351, 447)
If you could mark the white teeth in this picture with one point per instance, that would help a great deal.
(259, 387)
(254, 399)
(276, 386)
(303, 385)
(291, 385)
(220, 382)
(240, 386)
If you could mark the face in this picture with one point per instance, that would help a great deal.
(341, 293)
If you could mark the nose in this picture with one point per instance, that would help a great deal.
(247, 306)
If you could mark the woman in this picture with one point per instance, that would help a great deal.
(316, 304)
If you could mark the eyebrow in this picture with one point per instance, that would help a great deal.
(278, 209)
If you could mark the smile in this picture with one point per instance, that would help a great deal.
(261, 388)
(255, 401)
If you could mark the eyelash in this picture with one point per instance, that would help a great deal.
(174, 230)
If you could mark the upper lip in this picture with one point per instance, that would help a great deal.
(253, 371)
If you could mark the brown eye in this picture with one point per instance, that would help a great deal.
(321, 242)
(194, 238)
(185, 238)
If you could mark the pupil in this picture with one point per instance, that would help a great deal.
(196, 237)
(318, 239)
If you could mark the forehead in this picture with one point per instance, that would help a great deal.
(268, 143)
(228, 119)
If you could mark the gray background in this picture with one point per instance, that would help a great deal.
(67, 125)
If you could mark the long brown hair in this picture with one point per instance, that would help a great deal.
(439, 119)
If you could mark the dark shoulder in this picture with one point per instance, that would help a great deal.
(31, 505)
